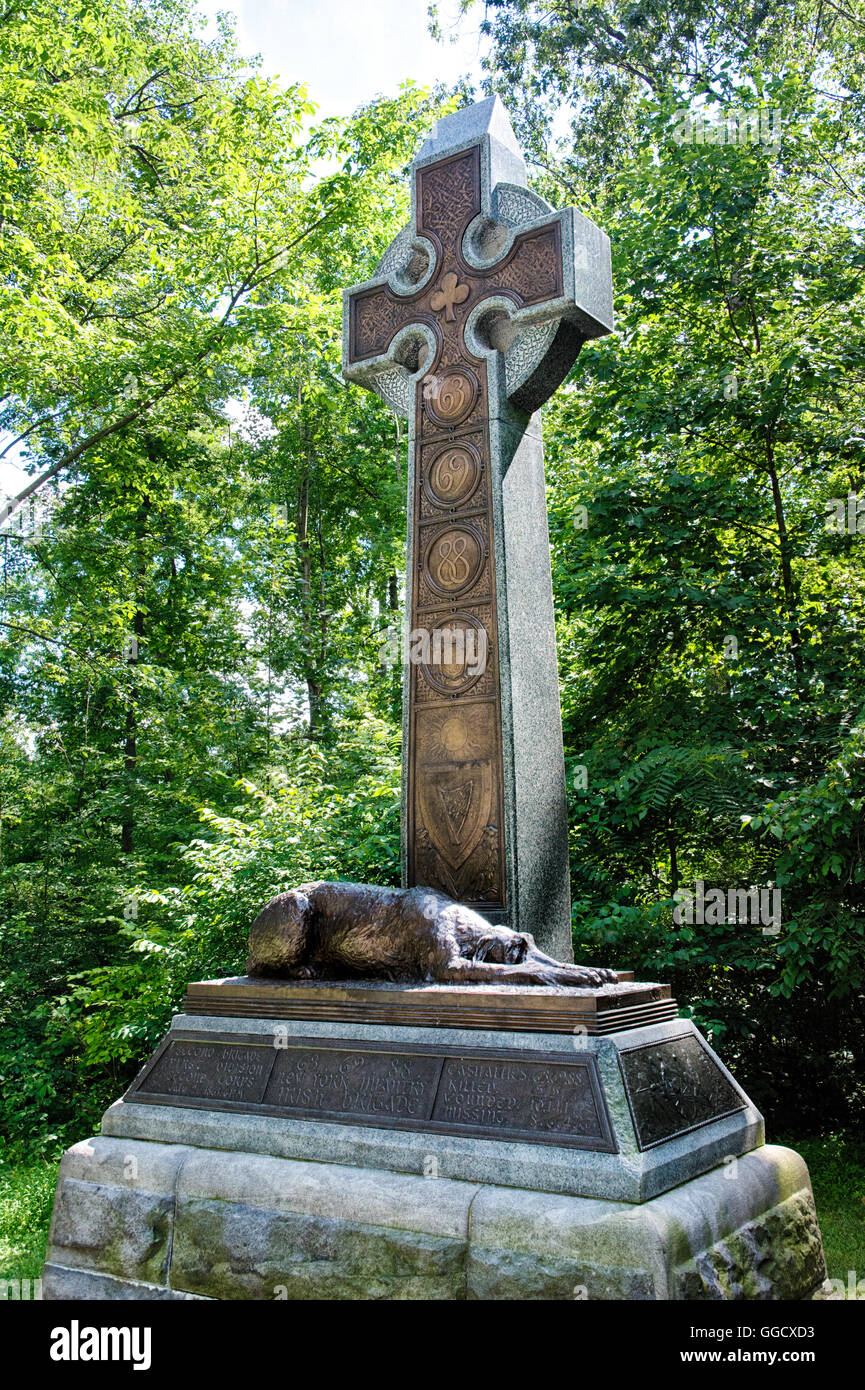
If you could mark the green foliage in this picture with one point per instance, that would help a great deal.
(319, 817)
(709, 619)
(26, 1195)
(837, 1167)
(197, 601)
(193, 710)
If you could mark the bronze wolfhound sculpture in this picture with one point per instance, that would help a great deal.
(352, 930)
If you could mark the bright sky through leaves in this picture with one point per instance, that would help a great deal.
(347, 51)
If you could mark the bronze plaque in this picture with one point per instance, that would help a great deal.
(213, 1071)
(520, 1098)
(452, 477)
(456, 803)
(352, 1083)
(454, 560)
(538, 1098)
(675, 1086)
(458, 656)
(451, 398)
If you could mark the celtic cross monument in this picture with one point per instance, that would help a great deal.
(476, 315)
(280, 1141)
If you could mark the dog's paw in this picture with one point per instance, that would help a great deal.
(585, 976)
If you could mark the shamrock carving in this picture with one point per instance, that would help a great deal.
(451, 293)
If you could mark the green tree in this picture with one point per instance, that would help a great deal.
(183, 596)
(714, 694)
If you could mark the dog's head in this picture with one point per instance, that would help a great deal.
(502, 948)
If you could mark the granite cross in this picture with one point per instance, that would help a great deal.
(477, 313)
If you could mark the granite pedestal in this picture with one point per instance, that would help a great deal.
(349, 1157)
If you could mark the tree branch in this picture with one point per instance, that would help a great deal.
(251, 280)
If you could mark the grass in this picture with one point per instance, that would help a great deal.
(837, 1166)
(26, 1194)
(836, 1163)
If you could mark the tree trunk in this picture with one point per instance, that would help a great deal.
(788, 583)
(130, 746)
(674, 862)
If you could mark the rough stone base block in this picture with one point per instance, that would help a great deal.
(58, 1282)
(623, 1117)
(747, 1230)
(138, 1219)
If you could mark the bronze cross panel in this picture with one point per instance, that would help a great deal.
(448, 199)
(454, 812)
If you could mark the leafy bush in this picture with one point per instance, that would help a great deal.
(326, 814)
(777, 1008)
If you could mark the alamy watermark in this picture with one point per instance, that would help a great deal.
(855, 1288)
(20, 1290)
(846, 515)
(757, 125)
(456, 649)
(759, 906)
(28, 520)
(77, 1343)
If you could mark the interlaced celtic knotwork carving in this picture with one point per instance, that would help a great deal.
(535, 270)
(397, 255)
(516, 206)
(377, 317)
(396, 390)
(527, 351)
(449, 197)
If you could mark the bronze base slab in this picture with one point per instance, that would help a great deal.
(513, 1008)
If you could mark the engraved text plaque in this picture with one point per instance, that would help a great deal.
(539, 1098)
